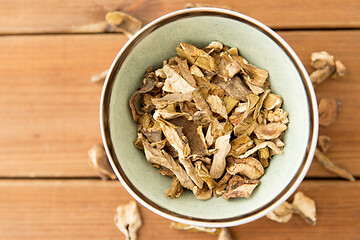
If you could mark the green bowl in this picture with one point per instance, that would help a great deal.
(260, 46)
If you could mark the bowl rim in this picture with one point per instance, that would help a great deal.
(105, 132)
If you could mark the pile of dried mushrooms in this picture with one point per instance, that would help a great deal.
(208, 119)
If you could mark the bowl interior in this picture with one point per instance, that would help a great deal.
(260, 50)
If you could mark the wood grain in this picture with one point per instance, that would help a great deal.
(49, 107)
(56, 16)
(84, 210)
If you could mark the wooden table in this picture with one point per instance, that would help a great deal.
(49, 118)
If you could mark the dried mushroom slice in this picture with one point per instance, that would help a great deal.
(162, 158)
(237, 118)
(329, 165)
(176, 138)
(185, 71)
(249, 167)
(128, 220)
(223, 147)
(245, 128)
(240, 145)
(324, 63)
(328, 111)
(277, 115)
(214, 46)
(240, 187)
(171, 99)
(196, 72)
(193, 134)
(190, 170)
(217, 105)
(230, 103)
(168, 115)
(147, 87)
(227, 66)
(340, 68)
(199, 100)
(175, 82)
(203, 172)
(260, 103)
(175, 190)
(269, 131)
(196, 56)
(191, 228)
(99, 161)
(99, 77)
(324, 143)
(305, 207)
(271, 145)
(220, 188)
(272, 101)
(225, 234)
(282, 214)
(204, 193)
(254, 76)
(234, 87)
(126, 22)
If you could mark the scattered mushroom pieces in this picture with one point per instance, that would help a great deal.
(99, 77)
(325, 66)
(192, 228)
(99, 161)
(305, 207)
(128, 220)
(324, 143)
(302, 205)
(208, 119)
(282, 214)
(328, 111)
(225, 234)
(115, 22)
(329, 165)
(125, 22)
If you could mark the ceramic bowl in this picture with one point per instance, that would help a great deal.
(260, 46)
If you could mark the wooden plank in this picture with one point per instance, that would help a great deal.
(345, 132)
(21, 16)
(49, 108)
(84, 210)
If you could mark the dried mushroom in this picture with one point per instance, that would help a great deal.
(282, 214)
(192, 228)
(248, 167)
(324, 143)
(99, 161)
(328, 111)
(128, 220)
(325, 66)
(305, 207)
(208, 120)
(222, 145)
(269, 131)
(99, 77)
(329, 165)
(302, 205)
(240, 187)
(175, 190)
(115, 22)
